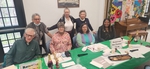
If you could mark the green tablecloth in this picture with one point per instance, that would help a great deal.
(85, 60)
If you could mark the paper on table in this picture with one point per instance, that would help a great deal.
(31, 65)
(144, 49)
(11, 67)
(78, 66)
(113, 62)
(136, 54)
(68, 64)
(61, 59)
(96, 64)
(97, 47)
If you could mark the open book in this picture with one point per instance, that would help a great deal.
(100, 62)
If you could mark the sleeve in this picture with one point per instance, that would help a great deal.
(29, 25)
(69, 42)
(114, 32)
(52, 44)
(37, 49)
(89, 25)
(79, 40)
(10, 55)
(77, 25)
(99, 35)
(55, 26)
(45, 28)
(93, 39)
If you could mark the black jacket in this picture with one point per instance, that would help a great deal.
(103, 35)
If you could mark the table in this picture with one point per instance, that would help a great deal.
(85, 60)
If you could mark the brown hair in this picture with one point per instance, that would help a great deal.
(81, 31)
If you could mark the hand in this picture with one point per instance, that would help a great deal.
(93, 32)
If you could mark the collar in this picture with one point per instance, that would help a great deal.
(26, 42)
(82, 19)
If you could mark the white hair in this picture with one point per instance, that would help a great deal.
(30, 29)
(35, 14)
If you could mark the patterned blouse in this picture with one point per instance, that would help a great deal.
(60, 43)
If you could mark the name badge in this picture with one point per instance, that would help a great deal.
(40, 42)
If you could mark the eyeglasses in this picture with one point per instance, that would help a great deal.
(37, 19)
(29, 35)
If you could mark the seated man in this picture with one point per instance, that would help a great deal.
(24, 49)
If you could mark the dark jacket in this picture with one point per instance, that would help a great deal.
(62, 19)
(103, 35)
(79, 23)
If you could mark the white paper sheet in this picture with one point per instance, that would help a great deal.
(68, 64)
(96, 64)
(11, 67)
(78, 66)
(97, 47)
(136, 54)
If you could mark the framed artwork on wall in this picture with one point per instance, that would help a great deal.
(68, 3)
(118, 10)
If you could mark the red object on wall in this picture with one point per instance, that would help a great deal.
(118, 13)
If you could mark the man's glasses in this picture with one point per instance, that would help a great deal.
(29, 35)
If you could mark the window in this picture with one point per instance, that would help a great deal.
(12, 22)
(8, 15)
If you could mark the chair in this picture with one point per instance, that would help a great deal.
(4, 63)
(75, 41)
(140, 33)
(48, 45)
(147, 67)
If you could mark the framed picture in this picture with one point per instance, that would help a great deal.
(68, 3)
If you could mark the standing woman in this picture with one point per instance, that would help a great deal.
(40, 28)
(83, 19)
(69, 21)
(106, 31)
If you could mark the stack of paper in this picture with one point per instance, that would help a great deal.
(68, 64)
(78, 66)
(97, 47)
(100, 62)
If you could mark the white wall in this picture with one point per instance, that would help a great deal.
(50, 13)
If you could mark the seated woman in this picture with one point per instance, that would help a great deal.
(106, 31)
(85, 37)
(83, 19)
(61, 41)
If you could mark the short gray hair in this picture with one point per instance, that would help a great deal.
(60, 24)
(29, 29)
(35, 14)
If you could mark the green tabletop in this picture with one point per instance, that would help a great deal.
(85, 60)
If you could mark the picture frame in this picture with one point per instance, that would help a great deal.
(68, 3)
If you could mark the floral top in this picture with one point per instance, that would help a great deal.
(60, 43)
